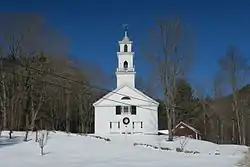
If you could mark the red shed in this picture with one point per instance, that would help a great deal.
(183, 129)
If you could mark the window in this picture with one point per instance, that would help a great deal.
(125, 98)
(141, 124)
(133, 110)
(118, 110)
(118, 125)
(125, 48)
(125, 109)
(125, 64)
(110, 125)
(133, 125)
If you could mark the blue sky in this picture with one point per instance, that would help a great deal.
(94, 27)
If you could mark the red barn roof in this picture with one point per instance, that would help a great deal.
(187, 126)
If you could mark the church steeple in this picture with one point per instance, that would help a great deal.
(125, 73)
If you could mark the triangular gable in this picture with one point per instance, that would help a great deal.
(180, 124)
(138, 95)
(144, 95)
(106, 96)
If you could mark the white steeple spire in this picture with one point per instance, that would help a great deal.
(125, 72)
(126, 33)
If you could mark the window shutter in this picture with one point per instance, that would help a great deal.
(118, 110)
(133, 110)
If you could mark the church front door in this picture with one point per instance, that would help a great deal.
(126, 127)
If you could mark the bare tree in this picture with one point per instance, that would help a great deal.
(218, 93)
(3, 97)
(183, 142)
(207, 114)
(170, 54)
(67, 108)
(202, 101)
(42, 140)
(234, 68)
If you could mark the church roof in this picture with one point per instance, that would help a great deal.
(116, 91)
(126, 40)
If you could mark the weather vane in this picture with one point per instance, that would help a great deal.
(125, 26)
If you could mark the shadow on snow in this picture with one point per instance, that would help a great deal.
(5, 141)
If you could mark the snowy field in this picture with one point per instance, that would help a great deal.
(87, 151)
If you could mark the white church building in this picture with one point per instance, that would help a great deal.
(126, 110)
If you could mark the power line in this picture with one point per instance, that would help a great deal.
(60, 86)
(83, 83)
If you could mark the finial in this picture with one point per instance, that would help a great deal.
(125, 26)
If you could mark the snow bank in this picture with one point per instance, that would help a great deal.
(78, 151)
(246, 161)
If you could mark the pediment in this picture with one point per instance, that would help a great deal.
(125, 96)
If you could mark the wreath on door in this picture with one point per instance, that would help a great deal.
(126, 121)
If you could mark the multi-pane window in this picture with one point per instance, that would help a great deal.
(114, 125)
(125, 109)
(118, 110)
(133, 110)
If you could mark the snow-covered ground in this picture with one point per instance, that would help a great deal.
(86, 151)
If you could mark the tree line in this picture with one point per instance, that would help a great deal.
(43, 88)
(220, 117)
(38, 88)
